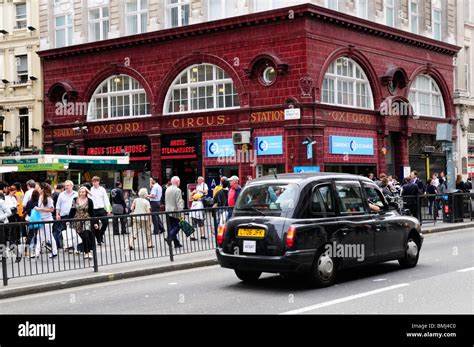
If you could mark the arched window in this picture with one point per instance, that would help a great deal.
(346, 84)
(425, 97)
(118, 97)
(202, 87)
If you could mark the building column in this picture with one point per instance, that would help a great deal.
(11, 66)
(30, 125)
(402, 157)
(156, 167)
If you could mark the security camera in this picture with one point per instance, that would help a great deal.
(76, 128)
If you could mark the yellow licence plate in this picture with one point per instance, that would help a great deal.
(251, 233)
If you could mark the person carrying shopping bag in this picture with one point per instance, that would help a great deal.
(45, 234)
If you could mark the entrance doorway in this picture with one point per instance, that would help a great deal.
(213, 175)
(180, 155)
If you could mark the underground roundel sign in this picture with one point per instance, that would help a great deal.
(269, 145)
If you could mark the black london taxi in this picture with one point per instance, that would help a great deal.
(314, 225)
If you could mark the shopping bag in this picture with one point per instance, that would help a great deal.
(187, 228)
(70, 237)
(35, 216)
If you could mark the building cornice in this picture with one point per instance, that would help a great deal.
(262, 18)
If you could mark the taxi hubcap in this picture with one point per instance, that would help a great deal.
(325, 266)
(412, 249)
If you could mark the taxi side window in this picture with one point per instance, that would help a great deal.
(322, 202)
(374, 196)
(349, 198)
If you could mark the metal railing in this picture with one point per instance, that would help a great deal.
(447, 207)
(73, 244)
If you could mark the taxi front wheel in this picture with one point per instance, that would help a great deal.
(248, 276)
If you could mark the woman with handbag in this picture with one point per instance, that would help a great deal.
(32, 228)
(141, 206)
(46, 208)
(83, 208)
(197, 217)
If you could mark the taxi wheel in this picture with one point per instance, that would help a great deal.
(323, 273)
(248, 276)
(412, 254)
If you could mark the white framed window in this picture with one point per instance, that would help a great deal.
(202, 87)
(20, 16)
(467, 69)
(414, 16)
(219, 9)
(22, 68)
(136, 14)
(425, 97)
(389, 13)
(63, 30)
(437, 26)
(24, 135)
(346, 84)
(362, 9)
(332, 4)
(99, 23)
(266, 5)
(177, 13)
(118, 97)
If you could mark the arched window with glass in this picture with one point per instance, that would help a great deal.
(118, 97)
(202, 87)
(426, 98)
(346, 84)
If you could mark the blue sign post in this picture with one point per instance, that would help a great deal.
(351, 145)
(269, 145)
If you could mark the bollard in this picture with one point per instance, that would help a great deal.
(3, 255)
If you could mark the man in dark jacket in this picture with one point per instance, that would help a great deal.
(410, 192)
(417, 181)
(119, 208)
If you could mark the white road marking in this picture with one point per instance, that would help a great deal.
(172, 283)
(347, 298)
(380, 280)
(466, 270)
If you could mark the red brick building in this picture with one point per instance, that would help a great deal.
(167, 97)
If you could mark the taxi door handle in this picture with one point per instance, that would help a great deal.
(378, 228)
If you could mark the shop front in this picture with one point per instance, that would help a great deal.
(134, 175)
(181, 156)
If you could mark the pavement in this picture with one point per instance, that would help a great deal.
(441, 283)
(145, 267)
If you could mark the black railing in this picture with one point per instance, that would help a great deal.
(447, 207)
(73, 244)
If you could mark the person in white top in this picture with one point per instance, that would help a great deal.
(101, 208)
(202, 187)
(31, 184)
(63, 208)
(45, 234)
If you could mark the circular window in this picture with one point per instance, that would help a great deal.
(269, 75)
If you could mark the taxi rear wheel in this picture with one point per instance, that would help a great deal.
(323, 273)
(248, 276)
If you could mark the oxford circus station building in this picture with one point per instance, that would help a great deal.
(305, 89)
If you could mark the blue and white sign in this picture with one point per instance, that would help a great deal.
(302, 169)
(220, 148)
(270, 145)
(351, 145)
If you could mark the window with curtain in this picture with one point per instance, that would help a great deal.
(99, 23)
(389, 13)
(136, 13)
(22, 68)
(63, 30)
(20, 16)
(201, 87)
(177, 13)
(346, 84)
(118, 97)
